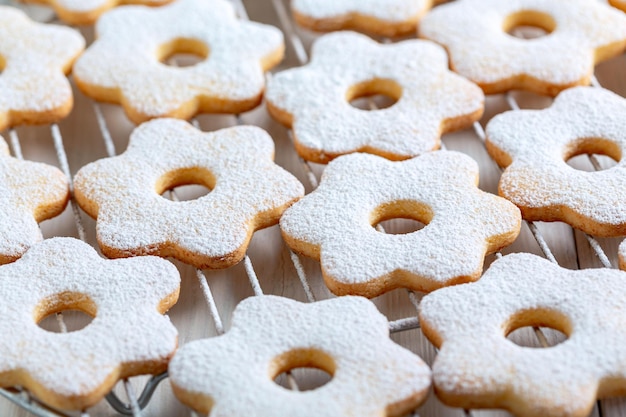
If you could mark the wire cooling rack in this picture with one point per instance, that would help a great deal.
(94, 131)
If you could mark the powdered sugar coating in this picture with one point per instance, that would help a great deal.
(620, 4)
(478, 367)
(232, 375)
(34, 59)
(123, 65)
(473, 32)
(384, 17)
(535, 144)
(30, 192)
(334, 223)
(314, 97)
(127, 336)
(86, 12)
(249, 192)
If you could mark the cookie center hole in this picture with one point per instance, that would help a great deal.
(376, 94)
(186, 184)
(308, 369)
(65, 312)
(529, 24)
(401, 217)
(538, 328)
(183, 52)
(592, 154)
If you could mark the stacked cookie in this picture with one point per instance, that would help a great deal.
(387, 163)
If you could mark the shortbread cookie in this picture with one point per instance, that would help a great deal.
(478, 367)
(581, 34)
(620, 4)
(86, 12)
(232, 375)
(34, 59)
(534, 146)
(123, 65)
(380, 17)
(315, 99)
(128, 335)
(31, 192)
(248, 192)
(335, 223)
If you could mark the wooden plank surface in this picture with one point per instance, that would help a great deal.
(271, 259)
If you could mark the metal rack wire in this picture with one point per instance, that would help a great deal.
(134, 404)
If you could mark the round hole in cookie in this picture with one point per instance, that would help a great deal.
(188, 183)
(605, 151)
(310, 369)
(78, 310)
(538, 328)
(376, 94)
(183, 52)
(401, 217)
(529, 24)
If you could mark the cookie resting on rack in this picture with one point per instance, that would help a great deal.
(248, 192)
(86, 12)
(478, 367)
(124, 64)
(31, 192)
(534, 145)
(34, 59)
(379, 17)
(335, 223)
(314, 100)
(580, 33)
(128, 334)
(232, 375)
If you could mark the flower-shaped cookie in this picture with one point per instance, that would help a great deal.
(86, 12)
(30, 192)
(620, 4)
(232, 375)
(381, 17)
(534, 146)
(123, 65)
(335, 223)
(478, 366)
(34, 59)
(248, 192)
(315, 99)
(581, 33)
(128, 335)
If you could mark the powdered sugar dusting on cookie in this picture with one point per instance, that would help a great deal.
(334, 223)
(127, 336)
(123, 66)
(538, 144)
(232, 374)
(472, 32)
(433, 100)
(477, 365)
(33, 86)
(29, 192)
(249, 192)
(387, 10)
(87, 5)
